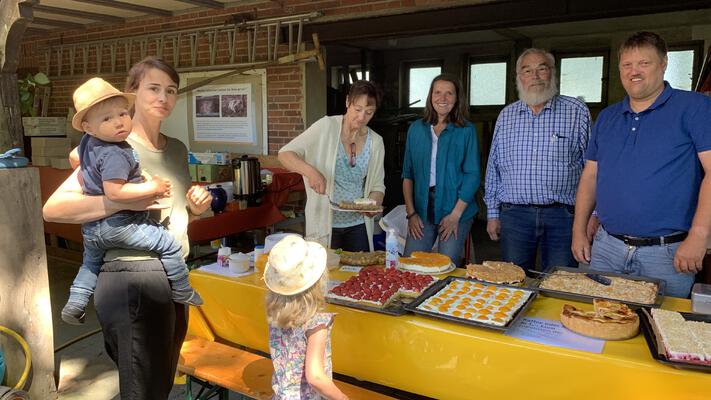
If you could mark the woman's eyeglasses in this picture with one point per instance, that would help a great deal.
(353, 155)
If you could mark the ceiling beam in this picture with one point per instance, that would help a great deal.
(79, 14)
(60, 24)
(205, 3)
(492, 15)
(129, 7)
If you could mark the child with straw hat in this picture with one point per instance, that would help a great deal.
(299, 330)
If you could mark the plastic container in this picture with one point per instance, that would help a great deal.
(391, 249)
(239, 263)
(333, 259)
(223, 257)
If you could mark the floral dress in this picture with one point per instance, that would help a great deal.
(288, 351)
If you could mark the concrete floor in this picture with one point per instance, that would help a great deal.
(84, 369)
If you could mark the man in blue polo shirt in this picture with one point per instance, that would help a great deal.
(647, 175)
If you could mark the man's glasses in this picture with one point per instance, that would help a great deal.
(353, 155)
(539, 70)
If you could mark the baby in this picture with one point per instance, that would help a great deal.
(109, 167)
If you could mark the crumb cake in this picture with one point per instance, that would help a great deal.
(475, 301)
(503, 273)
(379, 287)
(364, 204)
(363, 258)
(686, 341)
(424, 262)
(629, 290)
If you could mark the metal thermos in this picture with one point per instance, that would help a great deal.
(247, 178)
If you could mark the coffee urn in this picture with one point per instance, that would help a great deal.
(248, 189)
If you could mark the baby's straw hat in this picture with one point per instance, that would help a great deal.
(91, 93)
(294, 265)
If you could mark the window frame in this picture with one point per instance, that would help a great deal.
(406, 66)
(697, 46)
(510, 66)
(605, 79)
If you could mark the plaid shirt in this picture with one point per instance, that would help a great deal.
(537, 159)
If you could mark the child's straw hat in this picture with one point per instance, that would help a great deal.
(294, 265)
(91, 93)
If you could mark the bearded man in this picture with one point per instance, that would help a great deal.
(534, 167)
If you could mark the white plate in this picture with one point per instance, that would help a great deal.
(451, 268)
(336, 208)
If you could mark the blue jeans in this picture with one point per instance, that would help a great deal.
(453, 248)
(126, 230)
(612, 254)
(525, 228)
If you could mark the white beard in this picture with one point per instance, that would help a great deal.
(534, 98)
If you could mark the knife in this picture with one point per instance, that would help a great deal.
(603, 280)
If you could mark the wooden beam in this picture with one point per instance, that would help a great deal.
(61, 24)
(205, 3)
(493, 15)
(128, 6)
(79, 14)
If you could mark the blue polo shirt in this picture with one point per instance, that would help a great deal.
(648, 170)
(458, 168)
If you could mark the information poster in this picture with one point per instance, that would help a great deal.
(224, 113)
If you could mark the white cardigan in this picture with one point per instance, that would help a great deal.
(318, 146)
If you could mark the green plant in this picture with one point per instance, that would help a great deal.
(26, 90)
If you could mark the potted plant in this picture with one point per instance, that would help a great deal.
(26, 90)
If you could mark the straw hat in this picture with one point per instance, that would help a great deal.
(294, 265)
(91, 93)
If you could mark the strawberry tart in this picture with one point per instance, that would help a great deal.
(379, 287)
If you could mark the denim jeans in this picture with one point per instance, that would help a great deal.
(613, 255)
(525, 228)
(352, 238)
(127, 230)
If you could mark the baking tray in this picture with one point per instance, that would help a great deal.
(535, 285)
(651, 339)
(437, 286)
(396, 308)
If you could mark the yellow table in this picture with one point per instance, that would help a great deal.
(447, 360)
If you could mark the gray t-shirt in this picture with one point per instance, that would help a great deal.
(171, 162)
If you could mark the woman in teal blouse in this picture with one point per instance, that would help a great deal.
(441, 172)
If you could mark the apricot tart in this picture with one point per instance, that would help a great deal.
(428, 263)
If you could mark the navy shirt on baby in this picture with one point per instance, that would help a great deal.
(102, 161)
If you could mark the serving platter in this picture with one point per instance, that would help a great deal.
(654, 345)
(444, 284)
(536, 285)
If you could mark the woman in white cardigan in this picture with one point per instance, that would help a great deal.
(341, 158)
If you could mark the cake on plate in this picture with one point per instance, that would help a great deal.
(379, 287)
(364, 204)
(424, 262)
(503, 273)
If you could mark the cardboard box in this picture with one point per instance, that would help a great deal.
(51, 151)
(217, 158)
(193, 172)
(50, 142)
(213, 173)
(60, 163)
(40, 161)
(44, 126)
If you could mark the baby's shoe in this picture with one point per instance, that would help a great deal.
(73, 313)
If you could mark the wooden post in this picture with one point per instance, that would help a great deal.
(24, 285)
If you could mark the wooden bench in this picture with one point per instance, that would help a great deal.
(219, 368)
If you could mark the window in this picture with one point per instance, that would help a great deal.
(419, 80)
(487, 84)
(582, 77)
(680, 69)
(354, 73)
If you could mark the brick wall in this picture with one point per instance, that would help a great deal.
(284, 83)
